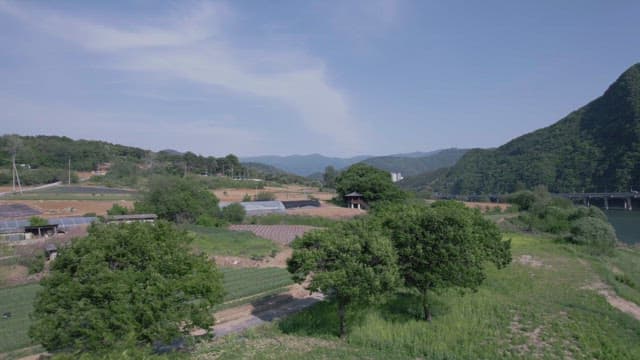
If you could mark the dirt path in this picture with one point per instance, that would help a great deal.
(614, 300)
(243, 317)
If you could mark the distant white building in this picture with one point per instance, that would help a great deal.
(396, 176)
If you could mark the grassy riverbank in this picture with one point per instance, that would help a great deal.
(544, 305)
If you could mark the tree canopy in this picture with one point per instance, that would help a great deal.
(442, 246)
(177, 199)
(352, 262)
(374, 184)
(123, 285)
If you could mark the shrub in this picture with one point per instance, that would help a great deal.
(118, 209)
(38, 221)
(210, 221)
(246, 198)
(595, 233)
(233, 213)
(523, 199)
(265, 196)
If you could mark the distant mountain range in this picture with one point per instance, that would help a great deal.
(595, 148)
(304, 164)
(412, 164)
(406, 163)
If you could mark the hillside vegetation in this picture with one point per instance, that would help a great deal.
(595, 148)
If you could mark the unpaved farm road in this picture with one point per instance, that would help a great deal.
(241, 318)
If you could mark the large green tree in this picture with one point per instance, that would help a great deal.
(374, 184)
(123, 285)
(442, 246)
(178, 199)
(352, 262)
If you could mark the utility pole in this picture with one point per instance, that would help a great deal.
(16, 176)
(69, 171)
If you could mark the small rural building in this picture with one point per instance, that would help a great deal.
(41, 230)
(355, 200)
(50, 251)
(253, 208)
(127, 219)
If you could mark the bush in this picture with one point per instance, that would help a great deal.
(246, 198)
(210, 221)
(595, 233)
(38, 221)
(265, 196)
(233, 213)
(35, 263)
(523, 199)
(118, 209)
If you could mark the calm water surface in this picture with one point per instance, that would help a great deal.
(627, 225)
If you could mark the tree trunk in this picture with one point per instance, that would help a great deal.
(425, 306)
(341, 314)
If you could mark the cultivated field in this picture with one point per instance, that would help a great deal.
(288, 192)
(281, 234)
(223, 242)
(61, 208)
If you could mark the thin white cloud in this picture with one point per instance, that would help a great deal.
(195, 47)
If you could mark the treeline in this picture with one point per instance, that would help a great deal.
(596, 148)
(56, 151)
(411, 166)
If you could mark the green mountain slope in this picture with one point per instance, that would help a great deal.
(410, 166)
(595, 148)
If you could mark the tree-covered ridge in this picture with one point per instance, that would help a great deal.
(595, 148)
(410, 166)
(55, 152)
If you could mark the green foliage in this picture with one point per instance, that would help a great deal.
(210, 221)
(233, 213)
(524, 199)
(329, 177)
(597, 234)
(177, 199)
(374, 184)
(246, 198)
(38, 221)
(442, 246)
(352, 262)
(124, 285)
(265, 196)
(118, 209)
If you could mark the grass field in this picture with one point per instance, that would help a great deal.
(540, 309)
(17, 301)
(245, 282)
(238, 283)
(217, 241)
(279, 219)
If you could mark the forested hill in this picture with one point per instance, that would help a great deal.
(595, 148)
(55, 152)
(410, 166)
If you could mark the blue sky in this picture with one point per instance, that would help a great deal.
(296, 77)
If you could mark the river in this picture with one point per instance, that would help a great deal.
(627, 225)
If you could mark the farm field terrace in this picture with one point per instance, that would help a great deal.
(545, 305)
